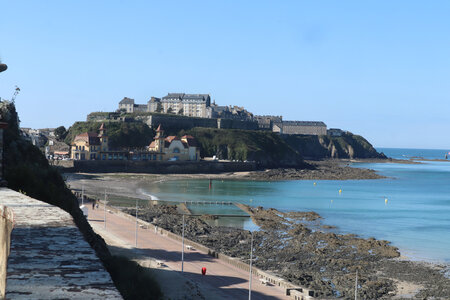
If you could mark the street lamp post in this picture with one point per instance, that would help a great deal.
(182, 248)
(104, 213)
(136, 227)
(82, 195)
(250, 277)
(136, 231)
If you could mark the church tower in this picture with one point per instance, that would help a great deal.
(159, 139)
(103, 138)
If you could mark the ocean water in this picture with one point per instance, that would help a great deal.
(411, 208)
(399, 153)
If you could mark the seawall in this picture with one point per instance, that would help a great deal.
(156, 167)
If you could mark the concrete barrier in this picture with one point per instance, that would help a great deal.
(6, 226)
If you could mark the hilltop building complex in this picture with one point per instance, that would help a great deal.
(189, 105)
(202, 113)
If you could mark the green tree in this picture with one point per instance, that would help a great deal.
(170, 110)
(181, 111)
(60, 133)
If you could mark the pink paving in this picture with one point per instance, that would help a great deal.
(230, 282)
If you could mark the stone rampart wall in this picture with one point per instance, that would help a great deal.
(177, 122)
(237, 124)
(308, 130)
(156, 167)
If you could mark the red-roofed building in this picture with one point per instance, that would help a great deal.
(172, 148)
(88, 145)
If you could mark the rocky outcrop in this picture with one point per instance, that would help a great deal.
(319, 147)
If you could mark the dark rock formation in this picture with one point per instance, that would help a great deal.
(322, 146)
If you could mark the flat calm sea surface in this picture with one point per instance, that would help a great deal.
(411, 208)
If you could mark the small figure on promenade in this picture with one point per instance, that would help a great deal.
(94, 203)
(203, 271)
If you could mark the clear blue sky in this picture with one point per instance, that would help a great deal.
(377, 68)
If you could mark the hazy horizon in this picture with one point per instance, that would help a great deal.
(375, 69)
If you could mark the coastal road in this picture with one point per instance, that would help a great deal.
(225, 281)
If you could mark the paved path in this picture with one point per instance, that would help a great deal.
(226, 281)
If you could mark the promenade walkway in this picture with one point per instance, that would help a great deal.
(222, 280)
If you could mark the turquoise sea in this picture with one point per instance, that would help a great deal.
(411, 208)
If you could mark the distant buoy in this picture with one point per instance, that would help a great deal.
(340, 191)
(385, 200)
(315, 183)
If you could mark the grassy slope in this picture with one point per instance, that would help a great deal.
(121, 135)
(264, 147)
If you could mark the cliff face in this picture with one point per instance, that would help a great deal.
(345, 146)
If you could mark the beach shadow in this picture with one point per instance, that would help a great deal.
(218, 282)
(218, 285)
(96, 220)
(168, 256)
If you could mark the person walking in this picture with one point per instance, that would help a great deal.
(203, 271)
(94, 203)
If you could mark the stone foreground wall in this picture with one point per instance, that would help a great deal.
(2, 126)
(6, 226)
(49, 258)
